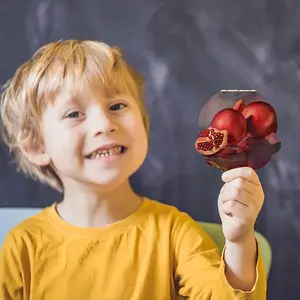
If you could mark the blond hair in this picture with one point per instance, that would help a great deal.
(55, 66)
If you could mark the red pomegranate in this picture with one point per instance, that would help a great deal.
(233, 121)
(211, 141)
(261, 119)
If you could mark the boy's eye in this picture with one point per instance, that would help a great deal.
(74, 115)
(117, 106)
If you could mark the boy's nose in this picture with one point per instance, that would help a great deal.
(102, 124)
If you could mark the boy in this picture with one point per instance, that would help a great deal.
(74, 117)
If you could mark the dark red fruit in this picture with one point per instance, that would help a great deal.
(233, 121)
(211, 141)
(252, 152)
(258, 150)
(239, 105)
(274, 141)
(272, 138)
(261, 119)
(234, 161)
(250, 143)
(227, 152)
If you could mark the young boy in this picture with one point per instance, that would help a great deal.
(74, 117)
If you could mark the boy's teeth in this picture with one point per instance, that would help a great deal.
(108, 152)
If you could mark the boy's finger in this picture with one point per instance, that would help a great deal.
(244, 172)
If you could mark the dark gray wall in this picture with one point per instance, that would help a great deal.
(188, 51)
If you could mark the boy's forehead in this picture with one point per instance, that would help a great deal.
(87, 94)
(67, 96)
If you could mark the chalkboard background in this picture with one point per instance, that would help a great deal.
(187, 51)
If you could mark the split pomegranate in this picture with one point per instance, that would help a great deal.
(261, 119)
(211, 141)
(233, 121)
(239, 105)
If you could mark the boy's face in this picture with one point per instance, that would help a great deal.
(76, 126)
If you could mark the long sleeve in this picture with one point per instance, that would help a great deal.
(11, 270)
(200, 271)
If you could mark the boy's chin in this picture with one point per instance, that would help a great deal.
(108, 183)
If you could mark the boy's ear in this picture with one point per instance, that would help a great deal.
(35, 154)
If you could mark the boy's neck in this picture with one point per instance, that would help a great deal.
(83, 209)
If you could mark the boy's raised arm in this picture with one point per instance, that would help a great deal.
(201, 273)
(240, 272)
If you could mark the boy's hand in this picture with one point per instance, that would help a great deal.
(240, 202)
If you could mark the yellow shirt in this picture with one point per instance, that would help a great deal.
(153, 254)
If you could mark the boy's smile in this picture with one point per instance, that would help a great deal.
(107, 150)
(107, 154)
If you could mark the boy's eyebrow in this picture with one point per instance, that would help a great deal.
(68, 98)
(63, 101)
(121, 97)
